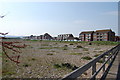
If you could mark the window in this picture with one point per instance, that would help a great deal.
(100, 39)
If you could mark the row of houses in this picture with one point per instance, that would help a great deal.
(98, 35)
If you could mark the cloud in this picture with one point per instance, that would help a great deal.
(111, 13)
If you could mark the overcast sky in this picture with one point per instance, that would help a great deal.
(36, 18)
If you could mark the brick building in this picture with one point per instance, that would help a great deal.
(98, 35)
(104, 35)
(117, 38)
(86, 36)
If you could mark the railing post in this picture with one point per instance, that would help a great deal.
(108, 58)
(94, 70)
(103, 62)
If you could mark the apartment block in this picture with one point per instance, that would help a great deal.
(86, 36)
(117, 38)
(98, 35)
(104, 35)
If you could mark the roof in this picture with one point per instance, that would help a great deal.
(106, 30)
(65, 34)
(86, 32)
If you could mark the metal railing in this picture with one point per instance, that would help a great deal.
(107, 58)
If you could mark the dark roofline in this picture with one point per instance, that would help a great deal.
(104, 30)
(86, 32)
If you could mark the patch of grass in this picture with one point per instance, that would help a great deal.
(31, 47)
(89, 43)
(50, 54)
(75, 53)
(71, 44)
(65, 45)
(44, 45)
(46, 48)
(65, 65)
(101, 51)
(26, 65)
(33, 59)
(105, 42)
(65, 48)
(96, 55)
(87, 58)
(52, 51)
(0, 54)
(8, 73)
(85, 49)
(97, 48)
(100, 61)
(79, 46)
(87, 52)
(33, 40)
(57, 66)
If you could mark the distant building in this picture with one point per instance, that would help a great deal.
(104, 35)
(63, 37)
(86, 36)
(46, 36)
(98, 35)
(117, 38)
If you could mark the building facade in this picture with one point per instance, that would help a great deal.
(104, 35)
(46, 36)
(63, 37)
(117, 38)
(98, 35)
(86, 36)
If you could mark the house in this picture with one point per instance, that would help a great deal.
(63, 37)
(104, 35)
(46, 36)
(86, 36)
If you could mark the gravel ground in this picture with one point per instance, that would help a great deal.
(39, 57)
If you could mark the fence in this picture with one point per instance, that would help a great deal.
(107, 58)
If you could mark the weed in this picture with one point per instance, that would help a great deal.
(26, 65)
(44, 45)
(87, 58)
(71, 44)
(79, 46)
(96, 55)
(90, 44)
(65, 65)
(50, 54)
(46, 48)
(65, 45)
(85, 49)
(75, 53)
(64, 48)
(8, 73)
(57, 66)
(33, 59)
(100, 61)
(97, 48)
